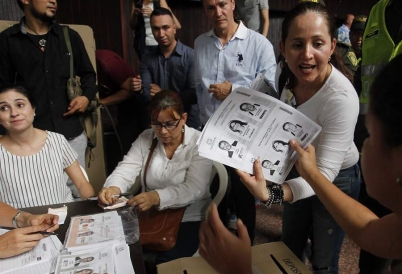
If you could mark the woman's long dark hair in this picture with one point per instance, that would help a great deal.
(301, 9)
(238, 122)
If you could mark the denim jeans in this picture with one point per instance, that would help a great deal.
(309, 218)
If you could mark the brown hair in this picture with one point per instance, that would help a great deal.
(301, 9)
(167, 100)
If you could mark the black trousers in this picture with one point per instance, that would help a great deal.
(242, 201)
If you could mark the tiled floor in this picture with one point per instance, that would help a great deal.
(269, 226)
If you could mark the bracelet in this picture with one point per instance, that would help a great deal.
(15, 219)
(275, 193)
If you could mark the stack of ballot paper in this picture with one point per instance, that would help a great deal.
(41, 259)
(95, 244)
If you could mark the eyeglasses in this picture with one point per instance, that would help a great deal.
(167, 126)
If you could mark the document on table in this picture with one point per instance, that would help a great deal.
(92, 231)
(251, 125)
(39, 260)
(113, 259)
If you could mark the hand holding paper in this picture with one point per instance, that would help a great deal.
(256, 184)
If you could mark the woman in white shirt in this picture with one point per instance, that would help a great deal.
(177, 176)
(33, 161)
(320, 91)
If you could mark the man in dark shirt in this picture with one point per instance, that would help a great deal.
(170, 66)
(34, 53)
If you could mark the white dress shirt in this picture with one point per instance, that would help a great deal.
(239, 61)
(180, 181)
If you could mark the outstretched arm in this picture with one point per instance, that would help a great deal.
(382, 237)
(75, 174)
(20, 240)
(257, 185)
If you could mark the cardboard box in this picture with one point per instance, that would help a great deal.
(272, 258)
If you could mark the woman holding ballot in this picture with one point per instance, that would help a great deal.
(24, 237)
(382, 168)
(176, 175)
(33, 161)
(326, 96)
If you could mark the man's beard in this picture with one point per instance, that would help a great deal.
(43, 17)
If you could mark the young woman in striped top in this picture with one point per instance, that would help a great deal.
(32, 160)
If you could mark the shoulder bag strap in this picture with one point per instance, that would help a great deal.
(151, 152)
(70, 51)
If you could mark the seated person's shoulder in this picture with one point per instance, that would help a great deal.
(195, 134)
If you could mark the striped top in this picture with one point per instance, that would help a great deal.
(35, 180)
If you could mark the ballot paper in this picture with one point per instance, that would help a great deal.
(122, 201)
(251, 125)
(41, 259)
(111, 260)
(94, 231)
(60, 211)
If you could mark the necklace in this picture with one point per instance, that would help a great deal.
(42, 42)
(26, 24)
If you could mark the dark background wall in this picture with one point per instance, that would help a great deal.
(109, 19)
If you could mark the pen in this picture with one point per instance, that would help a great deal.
(124, 194)
(43, 233)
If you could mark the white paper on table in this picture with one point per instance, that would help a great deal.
(61, 212)
(93, 231)
(112, 259)
(122, 259)
(41, 259)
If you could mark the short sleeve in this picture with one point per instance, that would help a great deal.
(69, 155)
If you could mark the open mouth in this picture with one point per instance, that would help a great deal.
(307, 68)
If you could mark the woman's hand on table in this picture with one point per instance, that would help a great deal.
(20, 240)
(145, 200)
(109, 195)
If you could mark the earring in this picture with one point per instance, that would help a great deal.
(34, 114)
(399, 181)
(329, 59)
(182, 129)
(286, 61)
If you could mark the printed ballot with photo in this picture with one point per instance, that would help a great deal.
(249, 125)
(98, 243)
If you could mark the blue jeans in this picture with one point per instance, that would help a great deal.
(309, 218)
